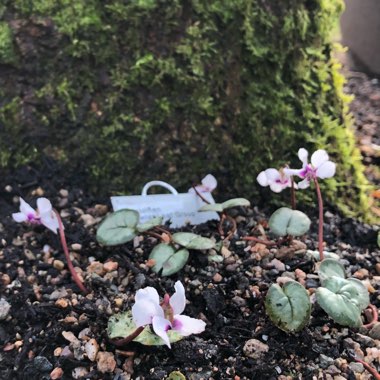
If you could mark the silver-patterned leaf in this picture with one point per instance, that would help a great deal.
(192, 241)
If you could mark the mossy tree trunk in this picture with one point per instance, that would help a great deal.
(129, 91)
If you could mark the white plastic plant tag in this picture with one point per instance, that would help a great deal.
(179, 208)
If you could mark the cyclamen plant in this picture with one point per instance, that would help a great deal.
(319, 167)
(165, 318)
(45, 215)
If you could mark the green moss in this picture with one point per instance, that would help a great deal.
(132, 91)
(7, 54)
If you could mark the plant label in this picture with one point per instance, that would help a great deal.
(178, 208)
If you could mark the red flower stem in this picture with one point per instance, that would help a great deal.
(73, 272)
(129, 338)
(375, 316)
(320, 227)
(292, 194)
(222, 217)
(370, 369)
(201, 196)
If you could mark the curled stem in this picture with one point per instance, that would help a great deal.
(129, 338)
(73, 272)
(234, 227)
(163, 230)
(154, 234)
(200, 195)
(320, 226)
(375, 316)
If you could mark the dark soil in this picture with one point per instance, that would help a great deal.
(46, 306)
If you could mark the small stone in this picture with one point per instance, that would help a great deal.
(239, 301)
(42, 364)
(96, 267)
(64, 193)
(118, 302)
(255, 349)
(39, 192)
(57, 294)
(79, 373)
(5, 279)
(361, 274)
(333, 370)
(365, 340)
(356, 367)
(110, 266)
(279, 265)
(217, 277)
(88, 220)
(101, 210)
(283, 280)
(29, 254)
(106, 362)
(57, 373)
(68, 335)
(374, 333)
(63, 303)
(76, 246)
(5, 307)
(325, 361)
(58, 351)
(377, 266)
(91, 348)
(58, 264)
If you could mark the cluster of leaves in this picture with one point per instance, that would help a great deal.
(123, 226)
(342, 299)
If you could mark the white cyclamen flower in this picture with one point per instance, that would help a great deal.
(166, 316)
(277, 180)
(320, 167)
(43, 215)
(209, 184)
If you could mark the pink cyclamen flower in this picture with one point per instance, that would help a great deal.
(277, 180)
(320, 167)
(166, 316)
(209, 184)
(43, 215)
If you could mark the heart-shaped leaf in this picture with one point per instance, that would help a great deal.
(118, 227)
(154, 222)
(330, 268)
(342, 300)
(288, 307)
(236, 202)
(168, 259)
(176, 375)
(192, 241)
(217, 207)
(286, 221)
(121, 325)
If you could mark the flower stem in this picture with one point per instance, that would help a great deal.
(292, 194)
(370, 369)
(201, 196)
(375, 316)
(129, 338)
(73, 272)
(320, 227)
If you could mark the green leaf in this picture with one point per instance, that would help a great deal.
(118, 227)
(286, 221)
(217, 207)
(327, 255)
(330, 268)
(168, 259)
(235, 202)
(289, 307)
(121, 325)
(142, 227)
(176, 375)
(192, 241)
(343, 300)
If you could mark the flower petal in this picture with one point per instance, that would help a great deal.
(26, 209)
(148, 294)
(44, 206)
(272, 175)
(289, 172)
(160, 327)
(187, 326)
(277, 187)
(319, 157)
(209, 182)
(303, 154)
(50, 221)
(303, 184)
(143, 312)
(326, 170)
(19, 217)
(178, 299)
(262, 179)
